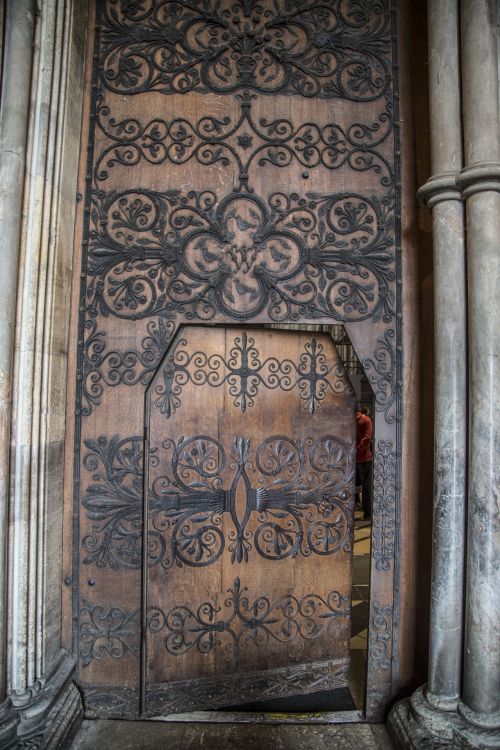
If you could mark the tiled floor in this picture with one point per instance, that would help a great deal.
(136, 735)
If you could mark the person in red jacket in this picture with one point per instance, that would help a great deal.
(364, 433)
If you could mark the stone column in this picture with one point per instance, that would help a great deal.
(435, 717)
(442, 195)
(16, 90)
(39, 163)
(429, 708)
(480, 182)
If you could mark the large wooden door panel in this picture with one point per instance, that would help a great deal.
(240, 167)
(250, 455)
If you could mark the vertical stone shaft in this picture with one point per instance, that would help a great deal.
(16, 91)
(443, 196)
(481, 187)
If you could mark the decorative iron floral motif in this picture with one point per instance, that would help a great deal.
(213, 140)
(380, 635)
(322, 256)
(302, 502)
(113, 502)
(111, 368)
(384, 490)
(245, 373)
(326, 50)
(106, 632)
(244, 624)
(383, 378)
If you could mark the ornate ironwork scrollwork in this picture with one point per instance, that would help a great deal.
(244, 372)
(107, 632)
(302, 506)
(113, 502)
(192, 255)
(111, 368)
(384, 498)
(380, 635)
(211, 140)
(300, 47)
(242, 624)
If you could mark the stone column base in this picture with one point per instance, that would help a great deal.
(9, 719)
(415, 724)
(46, 717)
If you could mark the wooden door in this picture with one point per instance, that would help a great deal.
(239, 168)
(250, 455)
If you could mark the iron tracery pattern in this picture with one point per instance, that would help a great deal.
(217, 140)
(243, 623)
(102, 367)
(384, 478)
(245, 372)
(114, 502)
(107, 632)
(301, 500)
(328, 49)
(297, 514)
(200, 257)
(124, 367)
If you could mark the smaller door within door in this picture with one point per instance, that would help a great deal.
(250, 465)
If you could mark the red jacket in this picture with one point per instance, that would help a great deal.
(364, 432)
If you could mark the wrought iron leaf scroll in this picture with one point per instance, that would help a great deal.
(243, 624)
(329, 49)
(301, 500)
(215, 140)
(245, 372)
(322, 256)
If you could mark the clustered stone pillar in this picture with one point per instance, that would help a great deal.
(460, 706)
(442, 195)
(40, 707)
(480, 182)
(14, 116)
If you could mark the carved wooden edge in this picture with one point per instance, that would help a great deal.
(187, 695)
(181, 696)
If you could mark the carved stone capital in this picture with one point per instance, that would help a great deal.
(49, 714)
(417, 724)
(439, 187)
(479, 178)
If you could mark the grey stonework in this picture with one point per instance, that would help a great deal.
(40, 122)
(460, 707)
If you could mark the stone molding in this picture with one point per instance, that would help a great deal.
(439, 187)
(48, 715)
(51, 717)
(479, 178)
(483, 721)
(458, 186)
(415, 724)
(42, 707)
